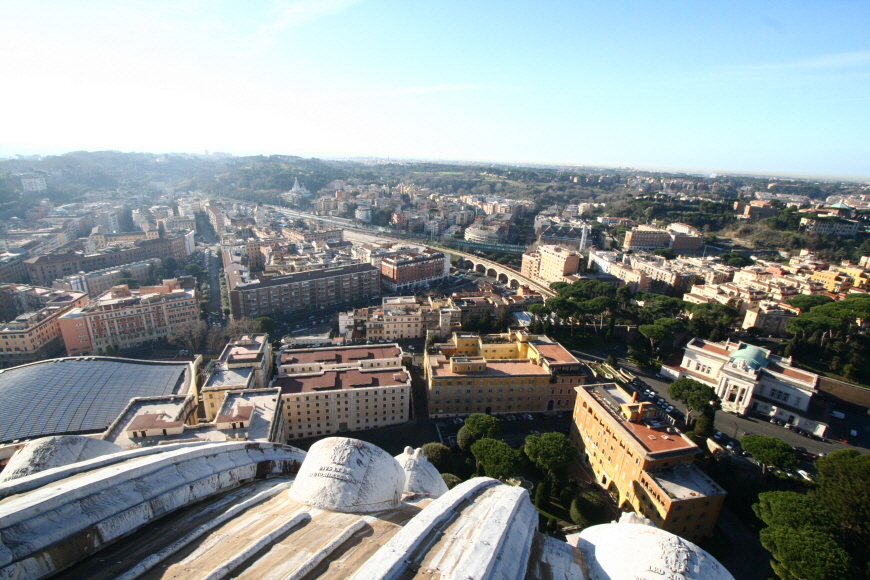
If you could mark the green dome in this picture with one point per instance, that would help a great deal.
(841, 206)
(755, 357)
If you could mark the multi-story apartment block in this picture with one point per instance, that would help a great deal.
(551, 264)
(644, 462)
(43, 270)
(310, 236)
(751, 379)
(32, 331)
(832, 280)
(755, 209)
(771, 317)
(122, 318)
(329, 390)
(217, 217)
(96, 282)
(608, 263)
(245, 363)
(399, 317)
(414, 269)
(663, 274)
(303, 290)
(512, 372)
(646, 238)
(830, 226)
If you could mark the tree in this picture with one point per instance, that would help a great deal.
(806, 554)
(655, 334)
(542, 495)
(132, 283)
(588, 509)
(431, 340)
(703, 426)
(695, 395)
(440, 456)
(844, 491)
(193, 270)
(465, 438)
(550, 451)
(806, 301)
(171, 265)
(451, 480)
(190, 335)
(611, 360)
(792, 510)
(264, 324)
(770, 451)
(483, 426)
(497, 458)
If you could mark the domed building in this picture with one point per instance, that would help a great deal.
(344, 509)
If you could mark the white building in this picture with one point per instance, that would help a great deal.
(749, 379)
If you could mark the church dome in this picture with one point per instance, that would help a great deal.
(753, 356)
(421, 477)
(348, 475)
(651, 549)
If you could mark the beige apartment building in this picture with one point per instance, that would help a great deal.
(331, 390)
(514, 372)
(646, 464)
(124, 318)
(551, 264)
(646, 238)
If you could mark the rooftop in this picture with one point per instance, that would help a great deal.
(494, 368)
(340, 355)
(654, 435)
(80, 395)
(686, 482)
(341, 379)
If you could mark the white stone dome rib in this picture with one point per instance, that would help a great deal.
(421, 477)
(58, 451)
(101, 506)
(350, 476)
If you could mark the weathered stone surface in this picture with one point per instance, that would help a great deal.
(58, 451)
(348, 475)
(421, 477)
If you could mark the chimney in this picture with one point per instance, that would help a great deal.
(634, 397)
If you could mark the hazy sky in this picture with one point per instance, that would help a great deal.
(713, 86)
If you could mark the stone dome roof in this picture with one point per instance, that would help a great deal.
(421, 477)
(605, 548)
(348, 475)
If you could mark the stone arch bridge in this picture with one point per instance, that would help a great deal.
(503, 274)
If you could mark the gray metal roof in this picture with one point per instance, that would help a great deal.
(75, 395)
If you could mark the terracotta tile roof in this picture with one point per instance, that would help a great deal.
(341, 379)
(791, 373)
(339, 355)
(494, 368)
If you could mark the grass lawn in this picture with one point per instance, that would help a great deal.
(555, 509)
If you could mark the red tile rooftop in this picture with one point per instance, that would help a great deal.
(494, 368)
(151, 421)
(791, 373)
(554, 353)
(341, 379)
(339, 355)
(711, 347)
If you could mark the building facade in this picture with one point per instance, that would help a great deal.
(122, 318)
(646, 464)
(331, 390)
(414, 269)
(749, 379)
(515, 372)
(34, 332)
(304, 290)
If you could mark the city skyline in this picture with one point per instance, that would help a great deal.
(774, 90)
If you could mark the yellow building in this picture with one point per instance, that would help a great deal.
(644, 462)
(832, 280)
(514, 372)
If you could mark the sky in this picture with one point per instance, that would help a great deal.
(746, 87)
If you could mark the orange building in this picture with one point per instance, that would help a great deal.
(646, 464)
